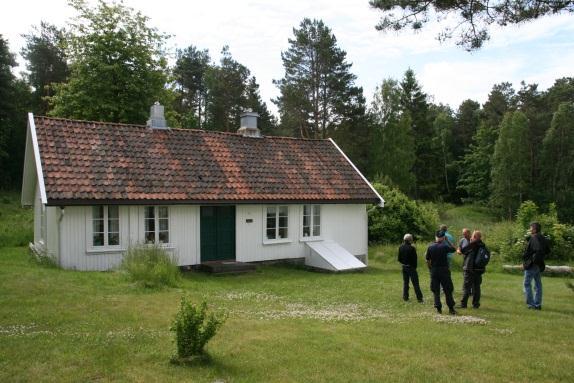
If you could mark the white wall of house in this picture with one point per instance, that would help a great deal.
(346, 224)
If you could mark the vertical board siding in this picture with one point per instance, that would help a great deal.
(345, 224)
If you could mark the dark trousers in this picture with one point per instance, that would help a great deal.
(411, 274)
(440, 277)
(472, 281)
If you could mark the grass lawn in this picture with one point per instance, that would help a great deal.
(285, 324)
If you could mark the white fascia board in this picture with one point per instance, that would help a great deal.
(382, 203)
(39, 171)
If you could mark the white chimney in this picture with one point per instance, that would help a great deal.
(248, 125)
(156, 118)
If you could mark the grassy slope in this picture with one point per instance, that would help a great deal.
(60, 325)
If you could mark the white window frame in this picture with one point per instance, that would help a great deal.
(90, 232)
(311, 237)
(268, 241)
(156, 226)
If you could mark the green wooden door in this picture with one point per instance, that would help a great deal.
(217, 226)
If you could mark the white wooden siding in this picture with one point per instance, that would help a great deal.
(345, 224)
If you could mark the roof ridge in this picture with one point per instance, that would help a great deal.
(178, 129)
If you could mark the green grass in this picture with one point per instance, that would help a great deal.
(16, 224)
(285, 324)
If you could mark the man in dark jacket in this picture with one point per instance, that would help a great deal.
(408, 260)
(533, 264)
(437, 262)
(472, 275)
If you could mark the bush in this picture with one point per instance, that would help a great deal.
(151, 266)
(399, 216)
(194, 327)
(560, 236)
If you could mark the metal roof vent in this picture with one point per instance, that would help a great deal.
(156, 117)
(248, 125)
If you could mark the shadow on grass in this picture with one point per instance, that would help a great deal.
(204, 361)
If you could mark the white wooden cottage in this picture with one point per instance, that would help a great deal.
(98, 188)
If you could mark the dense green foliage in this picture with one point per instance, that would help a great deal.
(400, 215)
(560, 235)
(473, 18)
(194, 326)
(117, 66)
(151, 266)
(15, 223)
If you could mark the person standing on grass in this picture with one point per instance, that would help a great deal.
(533, 265)
(451, 240)
(464, 241)
(437, 261)
(408, 259)
(471, 273)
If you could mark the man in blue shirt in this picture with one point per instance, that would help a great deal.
(437, 261)
(451, 240)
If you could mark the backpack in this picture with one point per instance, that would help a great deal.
(482, 258)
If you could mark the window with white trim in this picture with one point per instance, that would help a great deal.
(311, 221)
(105, 226)
(156, 224)
(277, 223)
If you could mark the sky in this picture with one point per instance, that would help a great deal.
(257, 31)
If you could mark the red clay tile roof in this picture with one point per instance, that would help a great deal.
(95, 162)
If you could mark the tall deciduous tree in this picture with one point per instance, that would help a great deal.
(558, 159)
(190, 75)
(318, 91)
(511, 163)
(392, 147)
(46, 63)
(473, 18)
(117, 65)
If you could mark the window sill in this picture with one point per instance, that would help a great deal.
(105, 250)
(276, 241)
(311, 239)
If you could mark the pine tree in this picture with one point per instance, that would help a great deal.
(392, 147)
(190, 73)
(46, 63)
(414, 102)
(443, 143)
(511, 163)
(558, 160)
(267, 123)
(466, 125)
(318, 92)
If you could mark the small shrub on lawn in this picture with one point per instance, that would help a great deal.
(399, 216)
(194, 326)
(151, 266)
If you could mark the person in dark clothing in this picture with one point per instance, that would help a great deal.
(472, 275)
(437, 261)
(408, 259)
(533, 265)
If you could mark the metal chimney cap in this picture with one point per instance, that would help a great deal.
(157, 119)
(248, 124)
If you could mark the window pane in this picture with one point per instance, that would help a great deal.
(306, 220)
(113, 239)
(271, 233)
(98, 239)
(113, 212)
(271, 211)
(163, 224)
(163, 237)
(316, 209)
(306, 210)
(162, 211)
(283, 211)
(149, 212)
(316, 231)
(306, 231)
(149, 225)
(98, 212)
(271, 222)
(316, 220)
(283, 232)
(98, 225)
(149, 237)
(113, 225)
(282, 221)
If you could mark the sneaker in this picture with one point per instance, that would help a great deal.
(462, 306)
(452, 311)
(406, 299)
(475, 306)
(538, 308)
(439, 310)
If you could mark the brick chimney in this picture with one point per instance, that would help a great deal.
(248, 125)
(156, 118)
